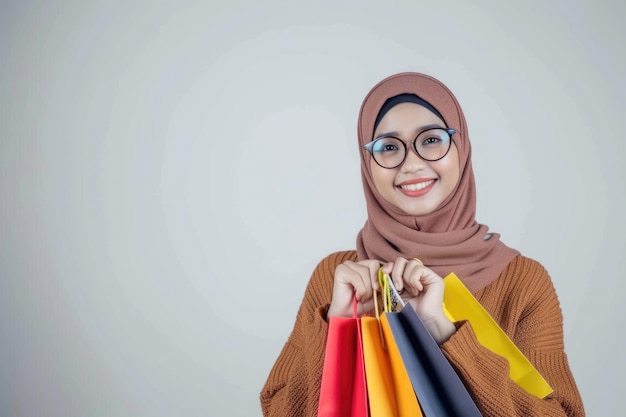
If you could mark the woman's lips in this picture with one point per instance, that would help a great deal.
(416, 188)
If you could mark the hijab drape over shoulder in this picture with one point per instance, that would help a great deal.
(449, 239)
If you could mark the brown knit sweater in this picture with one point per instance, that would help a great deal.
(522, 301)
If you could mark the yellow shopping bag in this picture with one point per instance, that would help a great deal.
(460, 304)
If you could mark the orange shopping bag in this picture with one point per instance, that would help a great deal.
(389, 388)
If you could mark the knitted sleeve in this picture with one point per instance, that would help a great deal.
(293, 385)
(524, 303)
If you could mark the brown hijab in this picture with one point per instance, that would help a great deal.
(449, 239)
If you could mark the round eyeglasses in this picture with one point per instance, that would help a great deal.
(430, 145)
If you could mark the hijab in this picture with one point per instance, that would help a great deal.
(449, 239)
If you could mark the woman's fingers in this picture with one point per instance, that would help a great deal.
(405, 272)
(353, 279)
(414, 273)
(421, 285)
(363, 278)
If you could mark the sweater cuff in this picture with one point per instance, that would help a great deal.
(464, 338)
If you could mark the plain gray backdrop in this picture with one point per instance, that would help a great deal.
(171, 173)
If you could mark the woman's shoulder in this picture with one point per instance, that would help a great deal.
(526, 275)
(331, 261)
(525, 263)
(523, 289)
(523, 266)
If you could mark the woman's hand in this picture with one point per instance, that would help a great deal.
(423, 289)
(354, 279)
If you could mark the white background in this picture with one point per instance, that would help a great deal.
(172, 173)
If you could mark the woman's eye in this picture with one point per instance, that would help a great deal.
(433, 140)
(386, 147)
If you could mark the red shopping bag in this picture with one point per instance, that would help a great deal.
(343, 391)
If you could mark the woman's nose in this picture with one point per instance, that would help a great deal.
(413, 161)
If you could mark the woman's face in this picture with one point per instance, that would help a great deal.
(417, 187)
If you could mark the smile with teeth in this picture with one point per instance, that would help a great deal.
(416, 186)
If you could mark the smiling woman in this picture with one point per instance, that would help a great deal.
(421, 203)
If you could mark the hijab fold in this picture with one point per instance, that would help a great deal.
(448, 239)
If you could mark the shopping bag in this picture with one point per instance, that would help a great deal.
(460, 304)
(343, 392)
(389, 389)
(440, 391)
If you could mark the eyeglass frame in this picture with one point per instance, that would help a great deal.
(369, 146)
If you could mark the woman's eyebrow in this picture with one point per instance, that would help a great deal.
(418, 130)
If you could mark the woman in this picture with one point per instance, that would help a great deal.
(421, 203)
